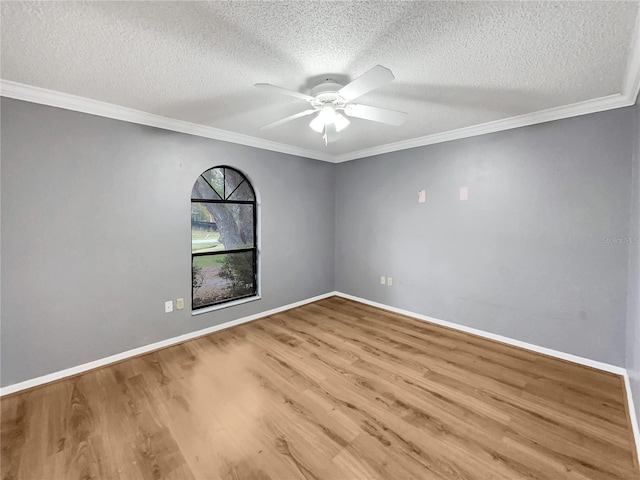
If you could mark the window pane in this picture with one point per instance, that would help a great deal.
(223, 277)
(215, 177)
(244, 192)
(221, 226)
(231, 181)
(202, 189)
(205, 236)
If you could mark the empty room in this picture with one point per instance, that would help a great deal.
(320, 240)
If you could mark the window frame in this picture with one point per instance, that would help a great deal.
(255, 295)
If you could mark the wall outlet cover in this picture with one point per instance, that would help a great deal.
(180, 303)
(383, 280)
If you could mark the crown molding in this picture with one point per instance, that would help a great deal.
(43, 96)
(628, 97)
(52, 98)
(631, 85)
(573, 110)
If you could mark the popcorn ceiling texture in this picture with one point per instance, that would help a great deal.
(456, 64)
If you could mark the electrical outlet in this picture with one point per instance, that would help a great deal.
(180, 303)
(389, 281)
(168, 306)
(383, 280)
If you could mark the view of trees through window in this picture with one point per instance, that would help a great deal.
(223, 238)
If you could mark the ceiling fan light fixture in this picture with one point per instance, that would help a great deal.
(317, 124)
(327, 114)
(341, 122)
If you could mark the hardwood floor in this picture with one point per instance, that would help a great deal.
(330, 390)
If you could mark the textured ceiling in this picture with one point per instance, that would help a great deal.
(456, 64)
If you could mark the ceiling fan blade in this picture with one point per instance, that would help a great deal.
(370, 80)
(288, 119)
(330, 133)
(376, 114)
(285, 91)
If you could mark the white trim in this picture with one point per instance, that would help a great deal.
(43, 96)
(528, 346)
(557, 113)
(189, 336)
(631, 85)
(632, 414)
(52, 98)
(492, 336)
(34, 382)
(233, 303)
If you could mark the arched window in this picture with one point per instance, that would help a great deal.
(224, 251)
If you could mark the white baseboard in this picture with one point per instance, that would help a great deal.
(528, 346)
(632, 414)
(34, 382)
(492, 336)
(189, 336)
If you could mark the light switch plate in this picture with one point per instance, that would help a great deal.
(422, 196)
(180, 303)
(383, 280)
(389, 281)
(168, 306)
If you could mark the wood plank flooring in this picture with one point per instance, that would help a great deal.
(331, 390)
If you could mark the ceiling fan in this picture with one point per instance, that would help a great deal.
(329, 98)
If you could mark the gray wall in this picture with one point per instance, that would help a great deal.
(96, 228)
(532, 255)
(96, 234)
(633, 303)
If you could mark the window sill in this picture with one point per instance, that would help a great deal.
(234, 303)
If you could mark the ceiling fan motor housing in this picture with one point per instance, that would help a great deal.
(326, 92)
